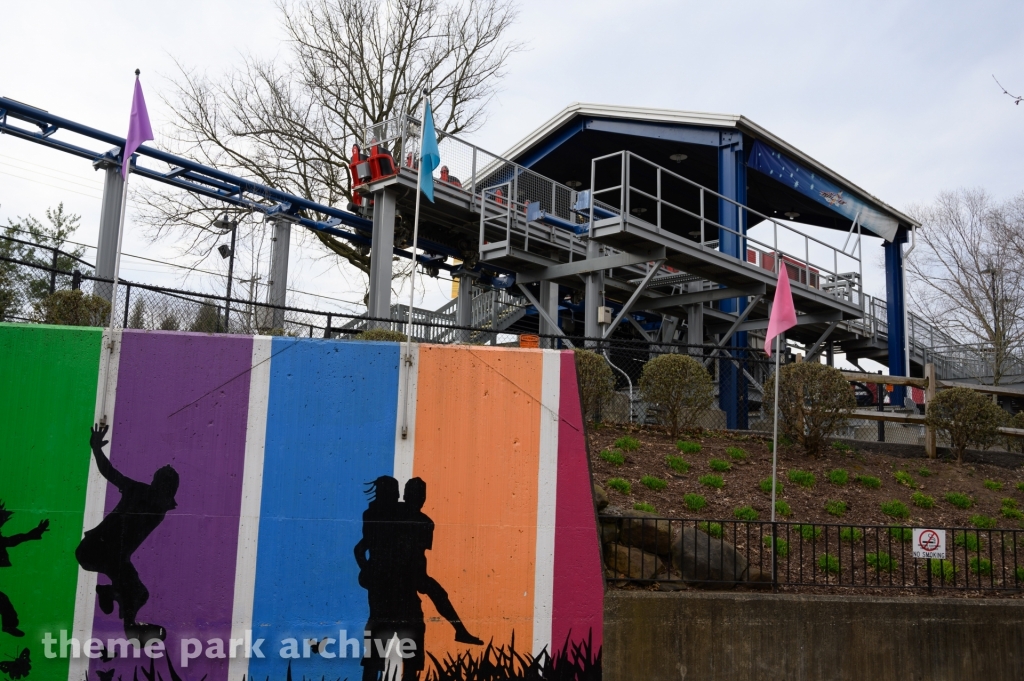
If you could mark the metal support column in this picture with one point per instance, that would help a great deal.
(464, 306)
(695, 318)
(732, 183)
(381, 256)
(593, 295)
(549, 299)
(895, 309)
(277, 287)
(110, 220)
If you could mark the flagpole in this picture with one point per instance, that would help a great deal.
(117, 257)
(412, 291)
(775, 453)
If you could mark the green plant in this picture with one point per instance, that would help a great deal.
(784, 441)
(643, 506)
(653, 483)
(381, 335)
(628, 443)
(968, 540)
(992, 485)
(712, 529)
(782, 508)
(781, 546)
(959, 499)
(895, 509)
(868, 481)
(745, 513)
(980, 566)
(828, 563)
(943, 569)
(850, 534)
(835, 507)
(842, 447)
(922, 500)
(808, 532)
(620, 485)
(903, 534)
(838, 476)
(613, 457)
(903, 478)
(1011, 513)
(596, 380)
(766, 486)
(711, 480)
(1020, 486)
(881, 561)
(169, 322)
(208, 319)
(681, 388)
(736, 453)
(966, 418)
(1019, 572)
(694, 502)
(924, 472)
(815, 400)
(73, 308)
(687, 447)
(802, 478)
(983, 522)
(678, 464)
(719, 465)
(1009, 502)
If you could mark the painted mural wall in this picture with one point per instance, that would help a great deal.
(250, 508)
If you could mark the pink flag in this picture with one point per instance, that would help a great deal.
(783, 315)
(139, 129)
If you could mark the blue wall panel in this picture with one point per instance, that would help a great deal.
(330, 429)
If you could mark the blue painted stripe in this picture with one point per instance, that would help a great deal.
(330, 429)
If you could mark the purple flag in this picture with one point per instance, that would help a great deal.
(139, 129)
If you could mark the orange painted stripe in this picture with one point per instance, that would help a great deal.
(477, 448)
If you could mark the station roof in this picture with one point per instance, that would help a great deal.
(562, 149)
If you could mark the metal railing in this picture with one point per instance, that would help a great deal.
(706, 552)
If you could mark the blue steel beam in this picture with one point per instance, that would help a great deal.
(708, 137)
(896, 311)
(732, 183)
(551, 144)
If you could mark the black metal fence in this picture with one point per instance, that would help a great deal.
(730, 552)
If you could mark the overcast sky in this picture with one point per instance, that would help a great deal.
(896, 96)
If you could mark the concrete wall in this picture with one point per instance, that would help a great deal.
(752, 637)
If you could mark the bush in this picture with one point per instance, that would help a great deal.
(903, 478)
(868, 481)
(73, 308)
(966, 418)
(1009, 502)
(808, 532)
(643, 506)
(719, 465)
(766, 486)
(828, 563)
(381, 335)
(959, 499)
(968, 540)
(620, 485)
(615, 458)
(694, 502)
(1019, 572)
(781, 546)
(895, 509)
(842, 447)
(745, 513)
(687, 447)
(782, 508)
(838, 476)
(681, 388)
(922, 500)
(993, 485)
(209, 319)
(1015, 444)
(1011, 513)
(903, 534)
(713, 529)
(983, 522)
(597, 383)
(881, 561)
(1020, 486)
(836, 508)
(943, 569)
(850, 534)
(653, 483)
(815, 400)
(981, 566)
(678, 464)
(715, 481)
(627, 443)
(802, 478)
(923, 472)
(169, 323)
(736, 453)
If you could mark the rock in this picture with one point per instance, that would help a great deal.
(641, 530)
(600, 498)
(757, 579)
(632, 562)
(706, 561)
(609, 531)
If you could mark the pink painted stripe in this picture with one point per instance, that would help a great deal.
(578, 608)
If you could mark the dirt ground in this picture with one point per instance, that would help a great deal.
(931, 477)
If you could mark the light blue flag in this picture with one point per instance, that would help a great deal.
(430, 157)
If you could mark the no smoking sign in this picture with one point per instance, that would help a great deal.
(929, 543)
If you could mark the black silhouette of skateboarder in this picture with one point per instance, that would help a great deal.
(396, 535)
(108, 547)
(8, 615)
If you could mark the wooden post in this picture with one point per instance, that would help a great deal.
(929, 395)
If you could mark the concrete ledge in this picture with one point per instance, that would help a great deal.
(652, 636)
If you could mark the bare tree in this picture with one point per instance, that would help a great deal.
(290, 122)
(966, 275)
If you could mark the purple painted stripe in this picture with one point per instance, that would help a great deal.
(182, 400)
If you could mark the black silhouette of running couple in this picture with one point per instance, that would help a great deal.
(108, 547)
(396, 535)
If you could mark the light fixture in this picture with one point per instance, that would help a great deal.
(639, 210)
(573, 184)
(791, 214)
(678, 158)
(224, 250)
